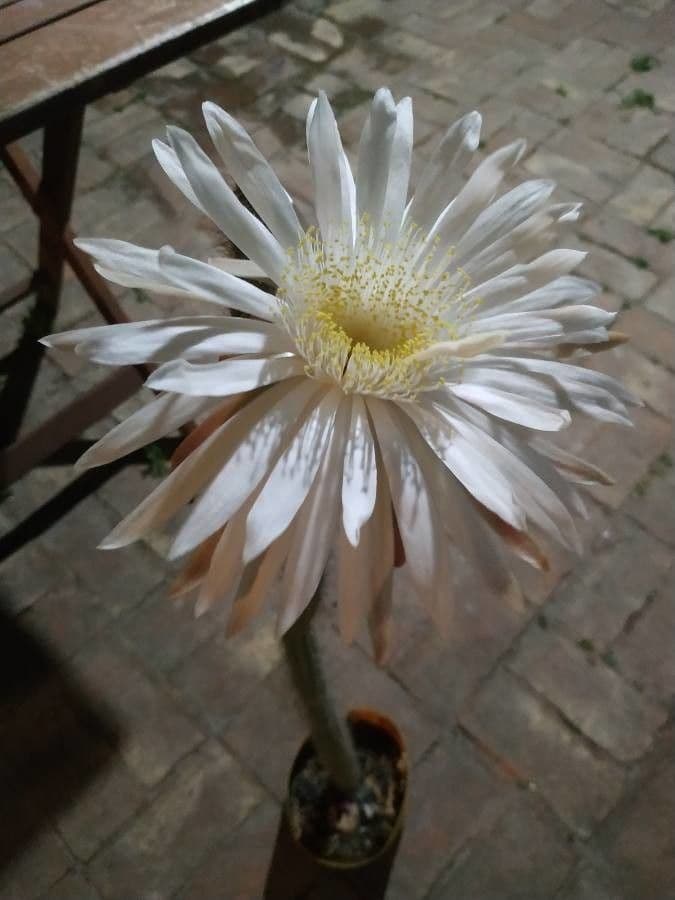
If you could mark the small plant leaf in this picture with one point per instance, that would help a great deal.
(665, 235)
(156, 462)
(639, 98)
(643, 62)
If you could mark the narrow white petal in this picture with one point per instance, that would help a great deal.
(533, 495)
(222, 379)
(331, 198)
(570, 377)
(380, 620)
(347, 185)
(266, 570)
(155, 420)
(359, 483)
(374, 156)
(502, 217)
(442, 176)
(478, 191)
(226, 565)
(363, 570)
(192, 474)
(169, 272)
(291, 478)
(566, 289)
(517, 327)
(221, 205)
(513, 407)
(244, 466)
(532, 387)
(409, 494)
(254, 175)
(240, 268)
(521, 279)
(166, 157)
(160, 340)
(353, 582)
(459, 517)
(571, 466)
(469, 463)
(315, 528)
(400, 157)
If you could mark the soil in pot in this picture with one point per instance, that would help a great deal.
(348, 830)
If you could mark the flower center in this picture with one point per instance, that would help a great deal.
(362, 315)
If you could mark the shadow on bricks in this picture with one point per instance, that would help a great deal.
(294, 875)
(53, 742)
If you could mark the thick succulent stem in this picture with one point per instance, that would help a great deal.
(330, 734)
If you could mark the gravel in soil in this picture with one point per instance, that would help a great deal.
(342, 828)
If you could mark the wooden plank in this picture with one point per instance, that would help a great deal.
(96, 50)
(26, 15)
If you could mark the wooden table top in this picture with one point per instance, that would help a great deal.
(59, 52)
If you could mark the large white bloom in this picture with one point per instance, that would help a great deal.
(399, 379)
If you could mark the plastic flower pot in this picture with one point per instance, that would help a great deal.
(373, 732)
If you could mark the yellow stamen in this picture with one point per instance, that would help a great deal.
(369, 316)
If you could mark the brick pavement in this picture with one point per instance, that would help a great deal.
(146, 758)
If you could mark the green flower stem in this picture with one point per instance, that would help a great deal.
(330, 734)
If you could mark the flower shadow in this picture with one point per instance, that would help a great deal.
(295, 875)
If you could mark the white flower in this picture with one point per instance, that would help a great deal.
(400, 376)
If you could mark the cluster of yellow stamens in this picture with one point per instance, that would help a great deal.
(364, 313)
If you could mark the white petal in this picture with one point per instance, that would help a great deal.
(240, 268)
(514, 408)
(254, 175)
(353, 582)
(469, 463)
(460, 519)
(359, 483)
(520, 279)
(160, 340)
(399, 171)
(517, 327)
(478, 191)
(315, 528)
(409, 494)
(570, 377)
(502, 217)
(567, 289)
(226, 565)
(221, 379)
(524, 241)
(155, 420)
(291, 478)
(374, 156)
(572, 467)
(348, 188)
(265, 571)
(331, 197)
(442, 176)
(532, 494)
(169, 272)
(380, 620)
(166, 157)
(221, 205)
(245, 465)
(528, 386)
(192, 474)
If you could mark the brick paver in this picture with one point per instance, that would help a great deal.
(144, 755)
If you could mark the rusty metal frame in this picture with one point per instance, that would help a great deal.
(50, 197)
